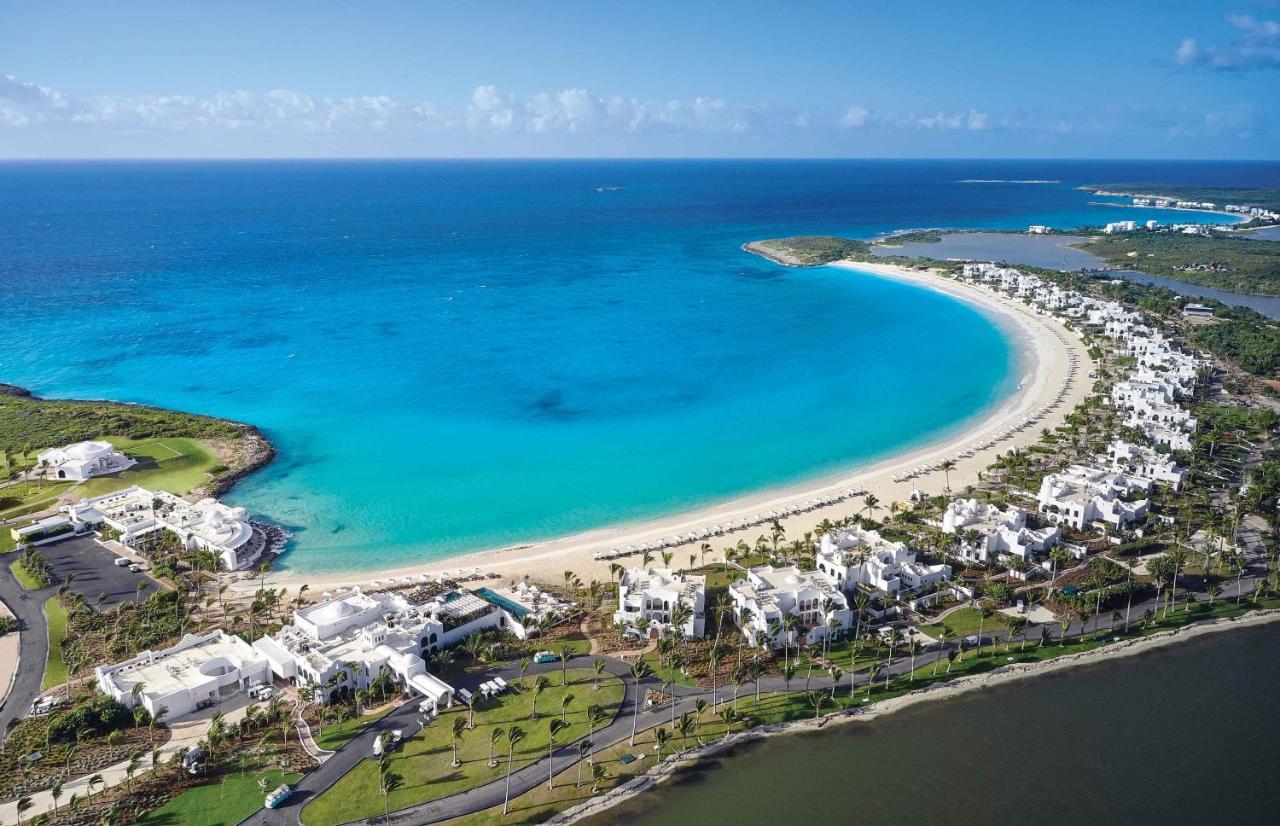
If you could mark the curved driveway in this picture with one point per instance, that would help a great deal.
(33, 642)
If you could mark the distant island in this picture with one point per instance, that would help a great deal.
(1260, 197)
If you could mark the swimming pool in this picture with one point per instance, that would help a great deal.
(518, 611)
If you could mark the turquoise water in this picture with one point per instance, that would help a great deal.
(453, 356)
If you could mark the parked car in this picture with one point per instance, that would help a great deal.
(387, 741)
(545, 657)
(280, 795)
(970, 641)
(121, 562)
(137, 568)
(193, 760)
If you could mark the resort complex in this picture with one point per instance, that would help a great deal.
(1108, 503)
(139, 517)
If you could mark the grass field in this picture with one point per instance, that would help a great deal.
(218, 804)
(55, 670)
(20, 573)
(174, 464)
(29, 497)
(337, 734)
(964, 623)
(6, 541)
(424, 760)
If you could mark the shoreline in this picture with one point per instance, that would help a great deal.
(1044, 349)
(674, 765)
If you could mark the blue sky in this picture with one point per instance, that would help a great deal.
(1078, 78)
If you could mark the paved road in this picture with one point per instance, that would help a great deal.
(531, 775)
(33, 642)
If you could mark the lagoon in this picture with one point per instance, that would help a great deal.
(1182, 734)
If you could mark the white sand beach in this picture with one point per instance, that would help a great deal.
(1050, 389)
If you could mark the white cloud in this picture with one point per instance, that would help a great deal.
(1257, 46)
(973, 121)
(854, 117)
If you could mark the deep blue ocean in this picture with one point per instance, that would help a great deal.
(459, 355)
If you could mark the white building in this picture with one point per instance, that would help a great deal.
(137, 514)
(83, 460)
(856, 557)
(768, 595)
(1119, 226)
(1143, 462)
(201, 670)
(1001, 533)
(345, 643)
(1038, 229)
(1081, 495)
(653, 593)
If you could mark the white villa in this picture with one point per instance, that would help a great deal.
(201, 670)
(769, 594)
(653, 593)
(82, 460)
(1143, 462)
(346, 642)
(135, 513)
(857, 557)
(1001, 532)
(1082, 494)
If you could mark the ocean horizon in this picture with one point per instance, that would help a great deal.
(452, 356)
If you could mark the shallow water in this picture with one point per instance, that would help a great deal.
(457, 355)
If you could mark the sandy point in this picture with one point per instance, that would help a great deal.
(1054, 365)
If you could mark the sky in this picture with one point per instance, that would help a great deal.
(562, 78)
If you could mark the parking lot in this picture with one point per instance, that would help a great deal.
(96, 573)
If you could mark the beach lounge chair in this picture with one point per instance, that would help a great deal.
(502, 684)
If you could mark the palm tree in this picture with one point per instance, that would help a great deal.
(661, 737)
(554, 727)
(639, 671)
(1178, 557)
(388, 782)
(459, 729)
(95, 780)
(836, 674)
(495, 734)
(566, 651)
(685, 726)
(872, 673)
(598, 667)
(565, 701)
(55, 792)
(539, 685)
(817, 699)
(514, 735)
(598, 773)
(584, 749)
(947, 466)
(24, 803)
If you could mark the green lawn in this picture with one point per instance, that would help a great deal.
(424, 760)
(665, 672)
(29, 497)
(964, 623)
(20, 573)
(219, 804)
(337, 734)
(55, 670)
(173, 464)
(6, 541)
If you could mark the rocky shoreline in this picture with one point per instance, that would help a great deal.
(675, 764)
